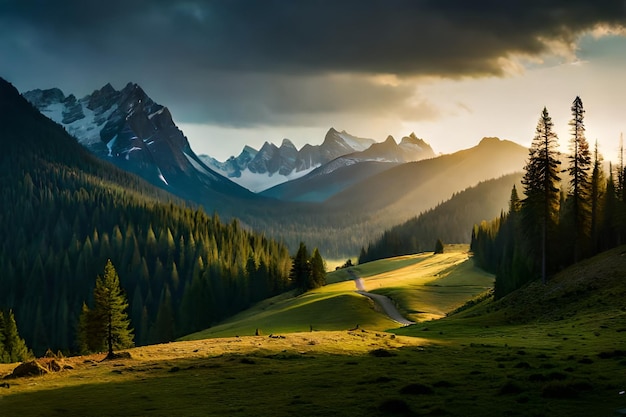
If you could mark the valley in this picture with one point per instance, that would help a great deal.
(287, 193)
(309, 208)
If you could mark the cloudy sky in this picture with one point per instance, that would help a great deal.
(241, 72)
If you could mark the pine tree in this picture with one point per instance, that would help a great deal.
(3, 354)
(580, 186)
(107, 325)
(597, 194)
(541, 180)
(163, 329)
(318, 270)
(12, 346)
(514, 203)
(439, 246)
(300, 268)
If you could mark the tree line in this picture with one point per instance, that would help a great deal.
(556, 222)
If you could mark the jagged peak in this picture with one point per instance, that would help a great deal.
(267, 146)
(390, 140)
(248, 149)
(107, 89)
(412, 138)
(287, 144)
(44, 97)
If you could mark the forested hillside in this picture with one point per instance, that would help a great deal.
(346, 222)
(65, 213)
(554, 222)
(450, 221)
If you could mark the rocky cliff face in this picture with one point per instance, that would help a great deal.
(128, 128)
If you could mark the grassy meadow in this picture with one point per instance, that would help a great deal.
(554, 350)
(423, 286)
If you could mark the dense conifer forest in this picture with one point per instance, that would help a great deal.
(65, 214)
(570, 210)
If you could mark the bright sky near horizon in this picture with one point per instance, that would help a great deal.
(245, 72)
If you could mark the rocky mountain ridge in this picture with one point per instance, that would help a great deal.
(273, 165)
(129, 129)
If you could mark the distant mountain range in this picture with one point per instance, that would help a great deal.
(128, 128)
(344, 171)
(273, 165)
(336, 196)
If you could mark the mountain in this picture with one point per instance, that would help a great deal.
(273, 165)
(347, 170)
(410, 149)
(361, 212)
(414, 187)
(66, 211)
(128, 128)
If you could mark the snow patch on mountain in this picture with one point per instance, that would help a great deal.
(198, 166)
(260, 182)
(353, 142)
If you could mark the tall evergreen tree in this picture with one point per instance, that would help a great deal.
(12, 346)
(107, 325)
(515, 203)
(541, 180)
(439, 246)
(597, 190)
(619, 187)
(301, 268)
(580, 185)
(318, 270)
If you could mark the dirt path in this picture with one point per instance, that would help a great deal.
(384, 302)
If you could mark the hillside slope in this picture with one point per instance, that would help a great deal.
(360, 213)
(423, 286)
(452, 221)
(403, 191)
(65, 212)
(593, 287)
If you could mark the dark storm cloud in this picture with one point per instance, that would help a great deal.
(213, 50)
(391, 36)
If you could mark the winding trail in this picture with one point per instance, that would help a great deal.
(383, 301)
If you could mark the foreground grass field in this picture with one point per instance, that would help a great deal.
(514, 371)
(554, 350)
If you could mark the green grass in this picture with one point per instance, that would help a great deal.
(376, 267)
(525, 374)
(321, 310)
(434, 282)
(443, 287)
(555, 350)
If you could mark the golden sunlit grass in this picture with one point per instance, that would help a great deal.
(236, 376)
(433, 287)
(423, 281)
